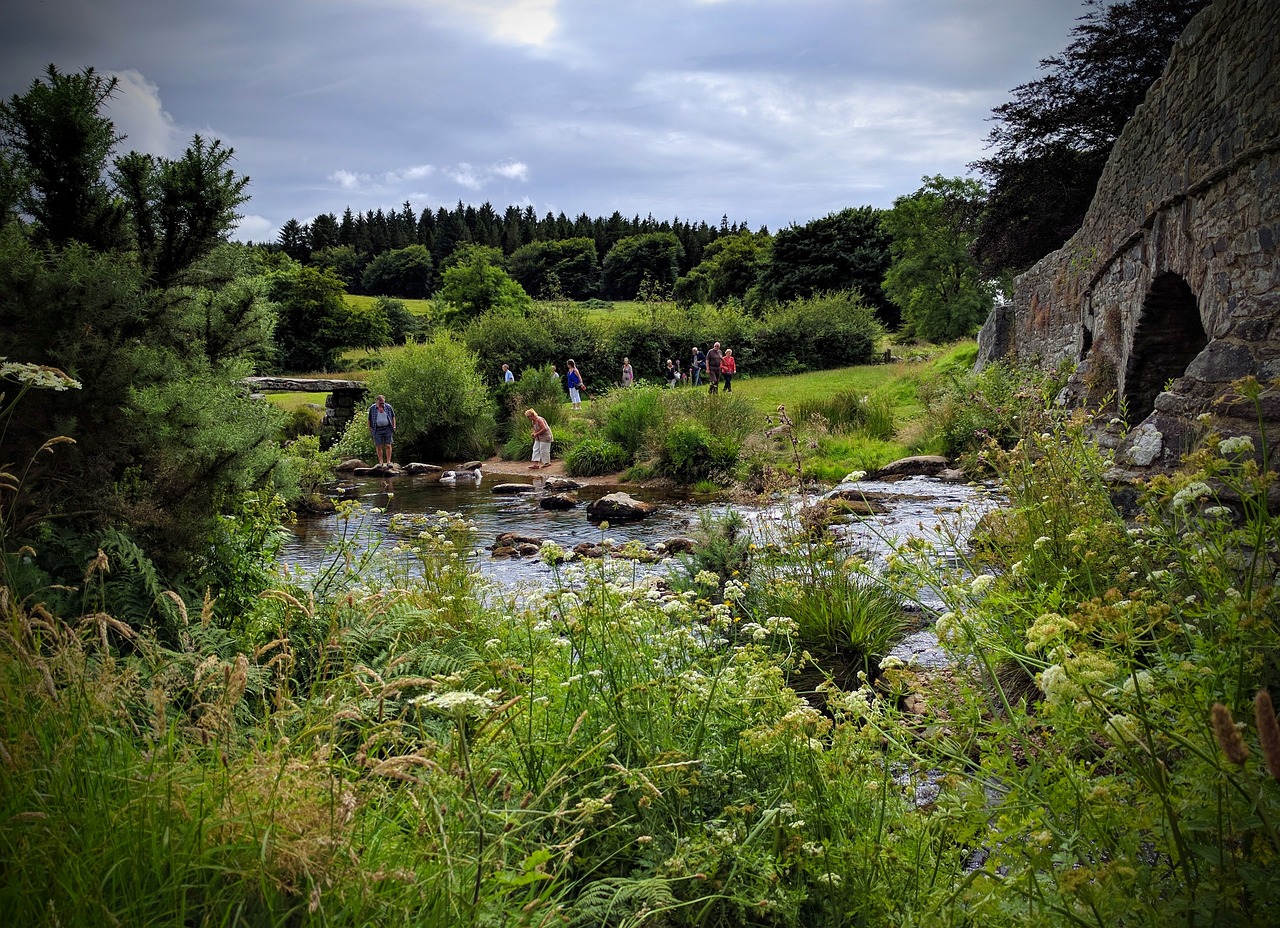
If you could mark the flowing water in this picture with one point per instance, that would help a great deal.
(919, 507)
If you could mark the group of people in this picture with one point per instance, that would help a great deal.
(717, 366)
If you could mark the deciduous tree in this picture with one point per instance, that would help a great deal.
(934, 278)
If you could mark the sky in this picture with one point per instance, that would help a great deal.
(769, 112)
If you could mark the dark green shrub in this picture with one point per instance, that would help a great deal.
(594, 456)
(305, 420)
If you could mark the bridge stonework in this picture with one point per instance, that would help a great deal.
(1170, 290)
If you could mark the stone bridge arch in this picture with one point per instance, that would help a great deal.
(1174, 277)
(1168, 337)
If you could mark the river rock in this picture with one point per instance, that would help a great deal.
(513, 540)
(527, 549)
(920, 465)
(416, 468)
(676, 544)
(349, 465)
(381, 470)
(854, 502)
(851, 506)
(558, 501)
(510, 489)
(588, 549)
(619, 507)
(561, 484)
(953, 475)
(472, 465)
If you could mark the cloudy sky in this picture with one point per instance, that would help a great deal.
(767, 111)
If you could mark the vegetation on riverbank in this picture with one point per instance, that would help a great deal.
(388, 743)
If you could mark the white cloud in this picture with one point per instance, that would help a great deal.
(138, 114)
(255, 229)
(350, 180)
(414, 172)
(512, 170)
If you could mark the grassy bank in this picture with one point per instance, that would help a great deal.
(386, 744)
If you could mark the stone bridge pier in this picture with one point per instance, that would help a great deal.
(1170, 290)
(345, 398)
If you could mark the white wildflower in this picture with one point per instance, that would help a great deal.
(1238, 444)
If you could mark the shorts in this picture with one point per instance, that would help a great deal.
(383, 436)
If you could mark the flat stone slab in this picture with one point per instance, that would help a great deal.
(302, 385)
(511, 489)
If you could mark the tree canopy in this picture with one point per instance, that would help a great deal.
(1051, 141)
(934, 277)
(844, 250)
(113, 271)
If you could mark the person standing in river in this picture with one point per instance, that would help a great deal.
(542, 439)
(382, 428)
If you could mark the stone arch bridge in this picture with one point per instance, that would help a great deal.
(344, 398)
(1170, 290)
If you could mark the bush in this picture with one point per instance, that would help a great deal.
(631, 417)
(690, 452)
(969, 410)
(594, 456)
(443, 410)
(833, 330)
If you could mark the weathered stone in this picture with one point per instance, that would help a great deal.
(417, 469)
(1172, 278)
(1144, 446)
(558, 501)
(514, 488)
(560, 484)
(851, 503)
(513, 539)
(527, 549)
(588, 549)
(676, 544)
(380, 470)
(920, 465)
(618, 507)
(472, 465)
(350, 464)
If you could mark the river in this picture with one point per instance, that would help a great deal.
(919, 507)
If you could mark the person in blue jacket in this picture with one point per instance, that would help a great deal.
(573, 380)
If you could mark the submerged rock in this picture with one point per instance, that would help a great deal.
(513, 488)
(558, 501)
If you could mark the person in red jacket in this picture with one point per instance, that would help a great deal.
(728, 367)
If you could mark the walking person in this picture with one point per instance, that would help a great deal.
(542, 439)
(728, 367)
(507, 376)
(574, 381)
(671, 374)
(628, 375)
(715, 358)
(382, 428)
(696, 364)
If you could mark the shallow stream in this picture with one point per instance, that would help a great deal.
(920, 507)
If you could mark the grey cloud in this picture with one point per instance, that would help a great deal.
(770, 111)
